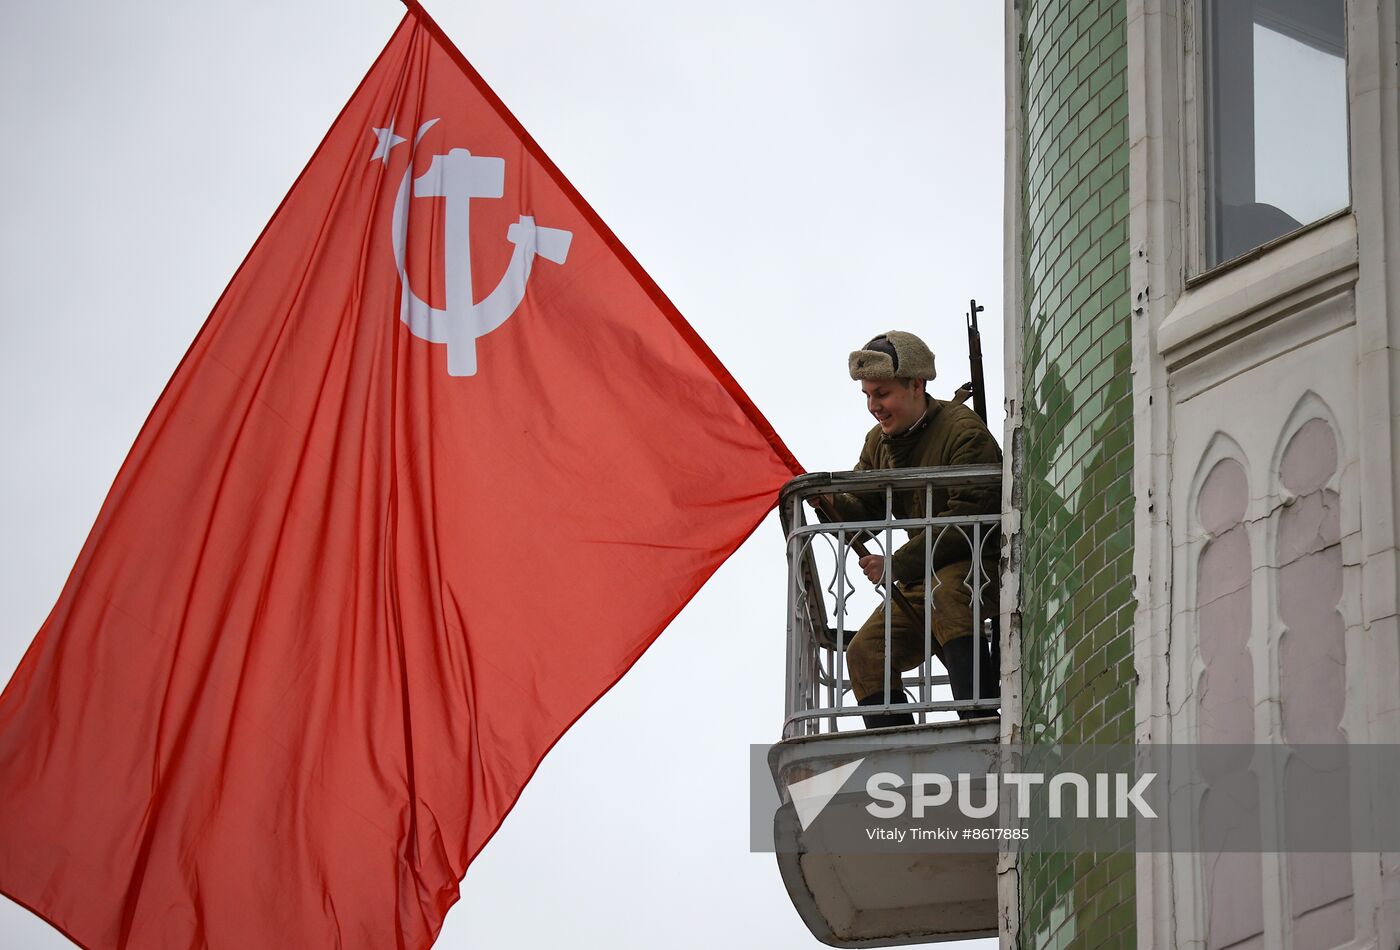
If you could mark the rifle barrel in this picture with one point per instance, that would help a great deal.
(974, 356)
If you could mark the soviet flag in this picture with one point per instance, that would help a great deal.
(439, 467)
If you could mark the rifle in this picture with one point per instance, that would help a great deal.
(977, 386)
(977, 389)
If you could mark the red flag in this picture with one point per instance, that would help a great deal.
(439, 467)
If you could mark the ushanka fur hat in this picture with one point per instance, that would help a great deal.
(893, 355)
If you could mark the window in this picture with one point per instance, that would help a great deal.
(1276, 120)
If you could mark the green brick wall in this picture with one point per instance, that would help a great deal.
(1077, 504)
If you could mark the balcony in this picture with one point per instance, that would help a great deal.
(882, 899)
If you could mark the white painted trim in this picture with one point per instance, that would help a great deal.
(1374, 91)
(1325, 309)
(1156, 232)
(1008, 862)
(1250, 296)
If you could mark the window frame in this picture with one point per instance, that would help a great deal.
(1197, 160)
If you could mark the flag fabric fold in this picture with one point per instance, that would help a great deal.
(439, 467)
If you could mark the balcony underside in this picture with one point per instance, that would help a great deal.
(884, 899)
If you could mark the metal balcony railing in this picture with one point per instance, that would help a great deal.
(819, 697)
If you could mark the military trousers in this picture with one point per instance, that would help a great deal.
(950, 617)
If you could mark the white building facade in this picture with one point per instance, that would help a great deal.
(1265, 250)
(1263, 233)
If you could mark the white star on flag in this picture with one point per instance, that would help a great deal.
(387, 140)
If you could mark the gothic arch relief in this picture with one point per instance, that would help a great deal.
(1308, 588)
(1310, 408)
(1213, 547)
(1312, 658)
(1225, 684)
(1232, 881)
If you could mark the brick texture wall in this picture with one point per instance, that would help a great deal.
(1076, 545)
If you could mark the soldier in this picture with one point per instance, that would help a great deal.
(914, 430)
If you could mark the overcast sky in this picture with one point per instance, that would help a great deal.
(797, 176)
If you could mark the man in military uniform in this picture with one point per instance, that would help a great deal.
(914, 430)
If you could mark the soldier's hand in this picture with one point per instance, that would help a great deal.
(821, 503)
(873, 566)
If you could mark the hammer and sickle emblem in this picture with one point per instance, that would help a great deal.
(458, 177)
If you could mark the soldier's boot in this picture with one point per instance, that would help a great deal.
(881, 720)
(958, 659)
